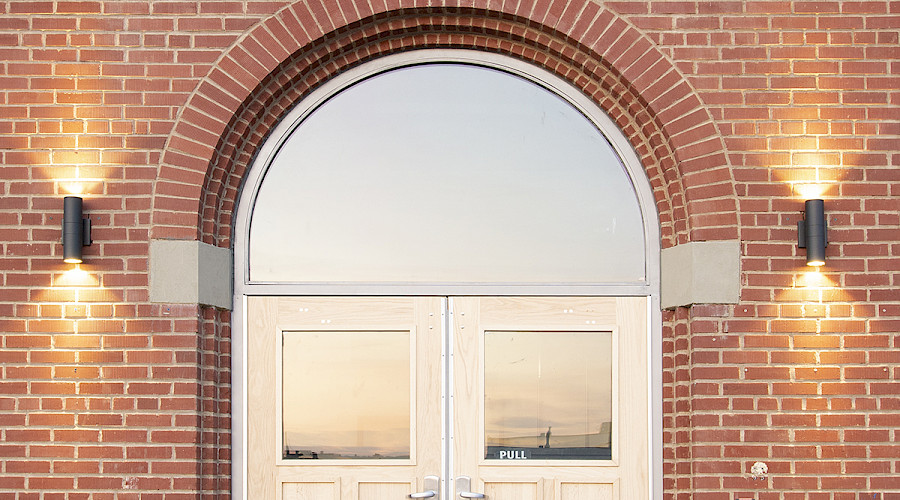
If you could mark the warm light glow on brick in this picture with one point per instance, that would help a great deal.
(79, 186)
(810, 190)
(72, 187)
(811, 182)
(76, 277)
(813, 280)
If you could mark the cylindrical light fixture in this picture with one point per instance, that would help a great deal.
(76, 231)
(812, 233)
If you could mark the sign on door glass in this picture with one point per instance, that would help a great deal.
(548, 395)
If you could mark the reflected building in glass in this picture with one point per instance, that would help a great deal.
(552, 446)
(548, 395)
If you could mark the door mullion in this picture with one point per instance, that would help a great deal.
(447, 396)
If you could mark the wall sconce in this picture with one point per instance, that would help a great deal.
(76, 231)
(812, 233)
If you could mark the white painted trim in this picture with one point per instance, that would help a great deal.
(239, 415)
(655, 368)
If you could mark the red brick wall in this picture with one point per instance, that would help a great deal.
(155, 108)
(802, 374)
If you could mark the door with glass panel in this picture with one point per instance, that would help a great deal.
(550, 398)
(343, 397)
(348, 398)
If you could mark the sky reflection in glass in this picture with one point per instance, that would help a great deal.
(346, 395)
(548, 395)
(446, 173)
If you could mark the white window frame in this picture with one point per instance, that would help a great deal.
(243, 287)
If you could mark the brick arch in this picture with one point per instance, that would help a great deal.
(278, 62)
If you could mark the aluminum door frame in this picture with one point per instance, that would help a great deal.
(650, 287)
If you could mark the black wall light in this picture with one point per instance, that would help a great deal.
(76, 231)
(812, 233)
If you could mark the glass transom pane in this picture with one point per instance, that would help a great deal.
(548, 395)
(446, 173)
(346, 395)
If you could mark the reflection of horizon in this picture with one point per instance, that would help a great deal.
(309, 454)
(507, 418)
(388, 443)
(600, 439)
(535, 380)
(346, 393)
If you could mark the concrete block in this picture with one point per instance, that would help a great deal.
(701, 272)
(190, 272)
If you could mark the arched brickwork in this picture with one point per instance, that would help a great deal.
(281, 59)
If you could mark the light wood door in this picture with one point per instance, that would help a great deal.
(310, 357)
(493, 343)
(527, 373)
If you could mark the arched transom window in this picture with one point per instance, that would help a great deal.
(445, 172)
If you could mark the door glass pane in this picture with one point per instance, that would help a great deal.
(346, 395)
(446, 173)
(548, 395)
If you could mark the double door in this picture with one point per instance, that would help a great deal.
(503, 398)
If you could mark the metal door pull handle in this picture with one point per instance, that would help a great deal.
(431, 485)
(463, 483)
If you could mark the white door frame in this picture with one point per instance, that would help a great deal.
(243, 287)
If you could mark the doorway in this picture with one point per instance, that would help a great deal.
(512, 398)
(434, 285)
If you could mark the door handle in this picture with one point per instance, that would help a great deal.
(463, 485)
(431, 486)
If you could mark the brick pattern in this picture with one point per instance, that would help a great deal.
(296, 76)
(102, 394)
(801, 374)
(662, 116)
(215, 402)
(678, 395)
(154, 109)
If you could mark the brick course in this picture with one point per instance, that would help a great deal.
(154, 110)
